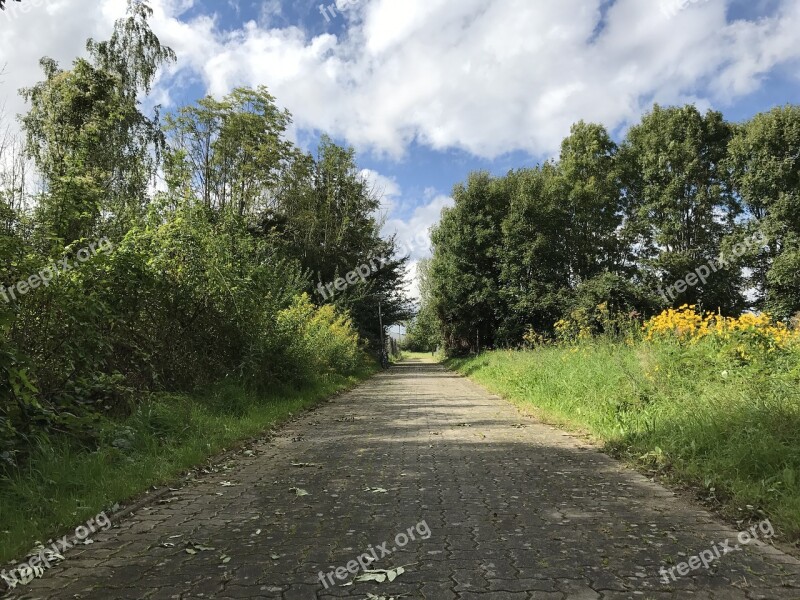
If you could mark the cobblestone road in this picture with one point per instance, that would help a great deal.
(489, 505)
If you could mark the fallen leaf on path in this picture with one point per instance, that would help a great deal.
(370, 576)
(381, 575)
(299, 491)
(194, 548)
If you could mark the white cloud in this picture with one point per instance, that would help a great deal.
(491, 78)
(413, 234)
(385, 188)
(485, 77)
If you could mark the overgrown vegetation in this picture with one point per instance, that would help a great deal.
(216, 231)
(706, 401)
(619, 225)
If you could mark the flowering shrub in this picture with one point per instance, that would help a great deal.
(684, 323)
(575, 328)
(746, 336)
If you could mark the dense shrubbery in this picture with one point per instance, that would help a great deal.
(206, 280)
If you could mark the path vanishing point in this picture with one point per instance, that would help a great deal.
(421, 469)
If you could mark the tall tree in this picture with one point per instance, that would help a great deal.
(466, 264)
(679, 201)
(95, 149)
(535, 263)
(232, 152)
(423, 333)
(593, 193)
(765, 160)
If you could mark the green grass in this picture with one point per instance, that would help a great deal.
(730, 431)
(64, 485)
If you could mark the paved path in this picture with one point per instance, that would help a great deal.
(489, 505)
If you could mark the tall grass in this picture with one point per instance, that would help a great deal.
(693, 412)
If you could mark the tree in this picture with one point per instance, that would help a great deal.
(764, 157)
(230, 154)
(423, 331)
(95, 149)
(466, 263)
(536, 267)
(679, 201)
(591, 184)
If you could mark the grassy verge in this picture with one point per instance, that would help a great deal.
(65, 484)
(731, 431)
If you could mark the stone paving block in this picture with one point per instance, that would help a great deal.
(515, 510)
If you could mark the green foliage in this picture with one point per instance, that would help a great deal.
(207, 281)
(95, 149)
(423, 333)
(765, 160)
(618, 227)
(466, 266)
(680, 204)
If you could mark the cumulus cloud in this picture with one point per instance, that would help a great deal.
(385, 188)
(413, 235)
(488, 78)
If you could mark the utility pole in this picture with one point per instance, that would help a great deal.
(380, 321)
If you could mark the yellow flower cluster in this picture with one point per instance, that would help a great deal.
(684, 323)
(687, 324)
(575, 329)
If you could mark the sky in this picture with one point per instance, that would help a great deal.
(427, 91)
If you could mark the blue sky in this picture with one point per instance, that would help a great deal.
(429, 90)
